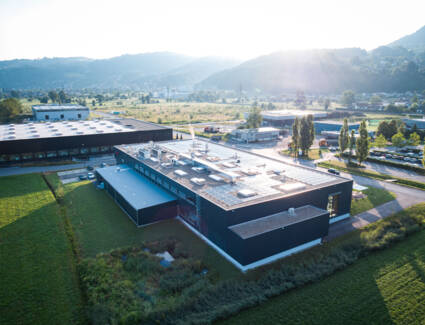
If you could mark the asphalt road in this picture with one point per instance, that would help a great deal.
(93, 161)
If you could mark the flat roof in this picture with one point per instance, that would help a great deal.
(10, 132)
(59, 107)
(238, 171)
(272, 222)
(137, 190)
(258, 130)
(335, 122)
(290, 114)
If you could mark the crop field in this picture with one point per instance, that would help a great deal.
(38, 278)
(387, 287)
(374, 197)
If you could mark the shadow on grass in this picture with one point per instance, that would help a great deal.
(39, 283)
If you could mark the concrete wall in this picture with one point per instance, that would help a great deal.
(56, 115)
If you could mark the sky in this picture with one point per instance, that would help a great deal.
(231, 28)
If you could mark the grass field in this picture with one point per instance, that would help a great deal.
(100, 226)
(38, 278)
(375, 197)
(342, 166)
(387, 287)
(313, 154)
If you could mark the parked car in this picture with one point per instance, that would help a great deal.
(103, 164)
(90, 168)
(82, 177)
(333, 171)
(90, 176)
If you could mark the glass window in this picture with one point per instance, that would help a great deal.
(62, 116)
(94, 149)
(26, 156)
(84, 150)
(46, 117)
(51, 154)
(333, 205)
(63, 153)
(79, 115)
(74, 151)
(40, 155)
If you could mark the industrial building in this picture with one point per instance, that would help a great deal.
(280, 118)
(419, 122)
(59, 112)
(321, 126)
(251, 208)
(61, 140)
(255, 135)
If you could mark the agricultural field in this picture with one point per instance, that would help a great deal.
(374, 197)
(387, 287)
(39, 282)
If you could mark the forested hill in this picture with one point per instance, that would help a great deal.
(414, 42)
(159, 69)
(326, 71)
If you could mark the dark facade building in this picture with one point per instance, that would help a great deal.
(251, 208)
(59, 140)
(323, 126)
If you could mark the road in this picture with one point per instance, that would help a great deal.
(405, 196)
(93, 161)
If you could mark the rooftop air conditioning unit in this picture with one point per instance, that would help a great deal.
(291, 212)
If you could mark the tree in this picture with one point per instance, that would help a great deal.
(15, 94)
(402, 129)
(296, 136)
(343, 137)
(44, 100)
(380, 141)
(326, 103)
(376, 100)
(254, 119)
(352, 144)
(362, 143)
(348, 98)
(9, 109)
(398, 140)
(414, 139)
(306, 134)
(63, 98)
(53, 95)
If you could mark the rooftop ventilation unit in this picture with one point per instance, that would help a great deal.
(80, 132)
(291, 212)
(229, 165)
(245, 193)
(180, 172)
(198, 181)
(58, 134)
(292, 187)
(11, 137)
(216, 178)
(198, 169)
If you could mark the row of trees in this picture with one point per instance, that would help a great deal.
(349, 141)
(302, 135)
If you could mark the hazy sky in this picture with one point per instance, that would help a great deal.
(241, 29)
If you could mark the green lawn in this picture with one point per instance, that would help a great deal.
(313, 154)
(387, 287)
(342, 166)
(100, 226)
(375, 197)
(38, 279)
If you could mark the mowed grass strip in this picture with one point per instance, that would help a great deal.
(387, 287)
(38, 278)
(374, 197)
(101, 226)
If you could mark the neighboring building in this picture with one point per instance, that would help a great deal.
(38, 141)
(59, 112)
(321, 126)
(420, 123)
(239, 202)
(255, 135)
(287, 117)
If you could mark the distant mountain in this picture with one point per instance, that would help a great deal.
(126, 71)
(324, 71)
(414, 42)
